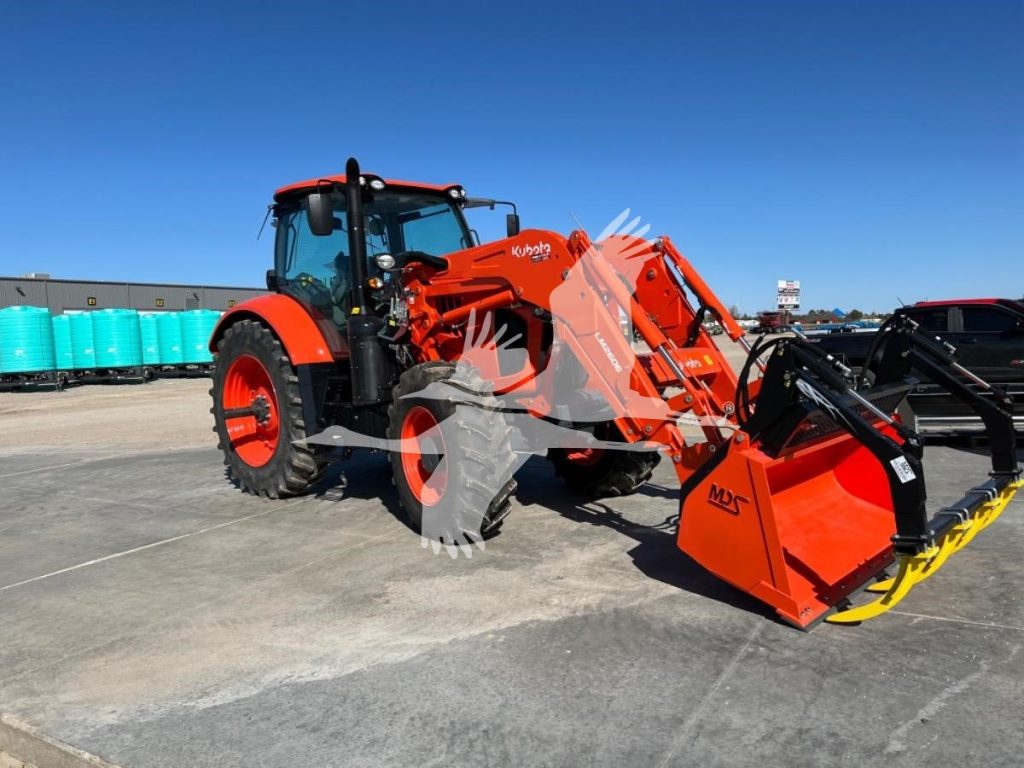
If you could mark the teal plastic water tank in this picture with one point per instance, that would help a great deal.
(26, 340)
(83, 352)
(150, 339)
(117, 338)
(168, 328)
(196, 328)
(63, 350)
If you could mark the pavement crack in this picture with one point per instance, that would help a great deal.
(699, 712)
(225, 596)
(43, 469)
(897, 739)
(142, 548)
(965, 622)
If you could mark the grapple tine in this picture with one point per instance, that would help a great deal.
(960, 535)
(997, 507)
(950, 543)
(910, 573)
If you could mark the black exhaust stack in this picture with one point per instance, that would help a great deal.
(356, 235)
(370, 366)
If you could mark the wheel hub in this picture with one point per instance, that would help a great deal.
(250, 411)
(261, 410)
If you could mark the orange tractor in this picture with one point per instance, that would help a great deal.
(387, 321)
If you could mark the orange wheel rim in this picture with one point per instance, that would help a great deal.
(252, 437)
(423, 456)
(584, 457)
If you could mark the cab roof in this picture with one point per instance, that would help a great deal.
(947, 302)
(308, 185)
(1015, 304)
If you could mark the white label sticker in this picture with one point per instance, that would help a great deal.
(903, 470)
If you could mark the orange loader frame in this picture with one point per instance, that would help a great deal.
(804, 488)
(800, 528)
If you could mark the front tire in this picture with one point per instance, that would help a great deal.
(252, 372)
(454, 470)
(601, 472)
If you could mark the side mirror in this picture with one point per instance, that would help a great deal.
(512, 224)
(272, 282)
(320, 213)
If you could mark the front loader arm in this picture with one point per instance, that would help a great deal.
(800, 496)
(582, 288)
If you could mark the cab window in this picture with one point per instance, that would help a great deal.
(931, 319)
(432, 230)
(988, 320)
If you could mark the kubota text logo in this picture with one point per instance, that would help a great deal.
(539, 249)
(725, 499)
(608, 353)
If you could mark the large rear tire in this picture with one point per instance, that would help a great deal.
(600, 472)
(454, 472)
(253, 372)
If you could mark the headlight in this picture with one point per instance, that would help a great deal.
(385, 261)
(376, 184)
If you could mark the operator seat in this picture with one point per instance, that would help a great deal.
(341, 287)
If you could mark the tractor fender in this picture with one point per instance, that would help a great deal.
(300, 335)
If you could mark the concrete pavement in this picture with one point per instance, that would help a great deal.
(155, 616)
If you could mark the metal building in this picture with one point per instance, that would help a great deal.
(60, 295)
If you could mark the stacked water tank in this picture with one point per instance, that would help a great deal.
(196, 328)
(117, 338)
(83, 347)
(62, 346)
(169, 333)
(32, 341)
(150, 338)
(26, 340)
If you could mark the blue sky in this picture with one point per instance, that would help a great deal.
(869, 149)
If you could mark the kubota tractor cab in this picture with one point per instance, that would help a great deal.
(388, 328)
(331, 343)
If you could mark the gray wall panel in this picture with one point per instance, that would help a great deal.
(69, 295)
(60, 295)
(221, 298)
(14, 293)
(155, 297)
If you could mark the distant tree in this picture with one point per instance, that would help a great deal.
(735, 312)
(854, 315)
(820, 316)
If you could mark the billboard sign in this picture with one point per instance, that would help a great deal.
(788, 295)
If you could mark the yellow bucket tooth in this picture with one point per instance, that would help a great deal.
(960, 535)
(907, 576)
(1002, 502)
(946, 546)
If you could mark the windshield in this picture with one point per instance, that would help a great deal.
(317, 270)
(395, 222)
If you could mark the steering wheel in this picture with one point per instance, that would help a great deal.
(313, 286)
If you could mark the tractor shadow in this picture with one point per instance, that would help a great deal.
(656, 554)
(365, 475)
